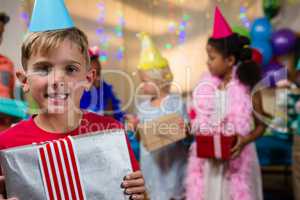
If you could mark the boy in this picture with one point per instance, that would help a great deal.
(56, 72)
(56, 75)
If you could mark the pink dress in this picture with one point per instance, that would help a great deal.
(228, 111)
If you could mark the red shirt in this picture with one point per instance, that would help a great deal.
(7, 77)
(27, 132)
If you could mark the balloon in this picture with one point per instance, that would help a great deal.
(261, 29)
(271, 8)
(241, 30)
(283, 41)
(265, 49)
(256, 56)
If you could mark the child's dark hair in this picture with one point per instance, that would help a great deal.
(94, 57)
(248, 71)
(4, 18)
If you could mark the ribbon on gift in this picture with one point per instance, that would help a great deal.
(60, 170)
(217, 146)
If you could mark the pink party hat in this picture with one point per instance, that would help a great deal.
(221, 27)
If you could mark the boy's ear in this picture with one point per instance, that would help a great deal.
(21, 76)
(90, 77)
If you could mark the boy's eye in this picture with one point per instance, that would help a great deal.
(71, 69)
(42, 70)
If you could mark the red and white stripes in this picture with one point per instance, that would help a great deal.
(217, 146)
(60, 170)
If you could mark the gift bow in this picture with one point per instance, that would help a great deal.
(94, 51)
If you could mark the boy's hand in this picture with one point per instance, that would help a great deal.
(239, 146)
(2, 189)
(134, 185)
(2, 198)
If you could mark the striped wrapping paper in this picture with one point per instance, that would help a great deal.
(86, 167)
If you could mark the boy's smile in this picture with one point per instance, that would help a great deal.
(57, 99)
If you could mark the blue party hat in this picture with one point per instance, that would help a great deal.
(50, 15)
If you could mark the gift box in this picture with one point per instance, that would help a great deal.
(215, 146)
(84, 167)
(162, 131)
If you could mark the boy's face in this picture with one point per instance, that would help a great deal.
(57, 81)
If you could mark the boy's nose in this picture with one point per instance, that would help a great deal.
(57, 79)
(58, 85)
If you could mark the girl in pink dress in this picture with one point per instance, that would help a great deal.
(222, 104)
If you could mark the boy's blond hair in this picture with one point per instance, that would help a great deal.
(47, 41)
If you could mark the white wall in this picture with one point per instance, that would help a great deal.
(289, 16)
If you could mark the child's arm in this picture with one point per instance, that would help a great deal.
(258, 131)
(132, 122)
(260, 126)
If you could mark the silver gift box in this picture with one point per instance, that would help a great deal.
(103, 161)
